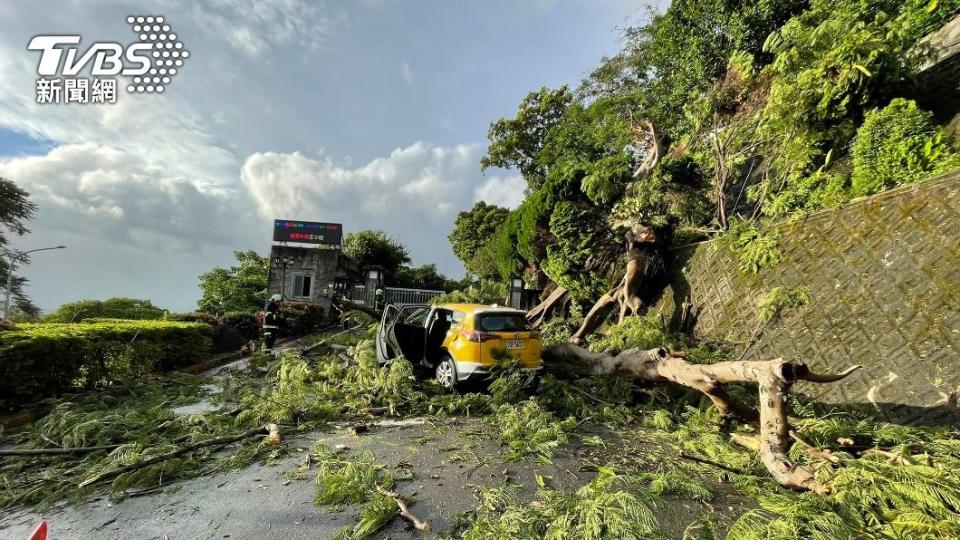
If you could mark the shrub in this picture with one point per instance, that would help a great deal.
(113, 308)
(245, 323)
(755, 249)
(197, 317)
(301, 318)
(897, 145)
(47, 359)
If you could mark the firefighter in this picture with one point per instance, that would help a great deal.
(271, 323)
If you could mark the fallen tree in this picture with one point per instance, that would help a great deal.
(639, 246)
(774, 378)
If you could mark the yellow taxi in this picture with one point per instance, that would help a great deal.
(459, 342)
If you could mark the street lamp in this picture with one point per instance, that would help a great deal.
(14, 257)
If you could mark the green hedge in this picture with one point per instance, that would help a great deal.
(245, 323)
(43, 360)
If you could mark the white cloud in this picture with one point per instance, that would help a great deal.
(157, 130)
(407, 72)
(413, 194)
(506, 191)
(114, 195)
(255, 26)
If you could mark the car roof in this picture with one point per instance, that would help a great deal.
(480, 308)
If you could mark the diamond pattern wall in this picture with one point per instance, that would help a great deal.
(883, 274)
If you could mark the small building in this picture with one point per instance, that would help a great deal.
(310, 274)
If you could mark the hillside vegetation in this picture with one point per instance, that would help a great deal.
(715, 116)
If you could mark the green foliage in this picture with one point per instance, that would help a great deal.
(48, 359)
(898, 144)
(529, 431)
(611, 506)
(239, 288)
(245, 322)
(602, 399)
(300, 317)
(113, 308)
(576, 230)
(472, 237)
(369, 247)
(871, 498)
(480, 292)
(517, 142)
(137, 415)
(15, 210)
(556, 330)
(421, 277)
(346, 479)
(757, 105)
(777, 299)
(672, 194)
(633, 332)
(665, 64)
(350, 479)
(376, 513)
(832, 63)
(754, 248)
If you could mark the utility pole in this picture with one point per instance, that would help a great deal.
(14, 257)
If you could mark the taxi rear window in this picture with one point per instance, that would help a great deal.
(502, 322)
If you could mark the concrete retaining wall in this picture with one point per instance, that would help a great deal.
(883, 274)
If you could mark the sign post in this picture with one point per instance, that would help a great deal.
(308, 232)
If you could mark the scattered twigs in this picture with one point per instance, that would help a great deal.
(893, 458)
(215, 441)
(812, 450)
(589, 395)
(51, 451)
(704, 461)
(404, 511)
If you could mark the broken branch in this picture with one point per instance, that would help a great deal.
(404, 511)
(774, 378)
(215, 441)
(50, 451)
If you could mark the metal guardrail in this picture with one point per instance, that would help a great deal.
(393, 295)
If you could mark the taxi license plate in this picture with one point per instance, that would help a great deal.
(514, 343)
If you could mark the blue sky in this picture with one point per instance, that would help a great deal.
(372, 113)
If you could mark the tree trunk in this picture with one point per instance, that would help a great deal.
(544, 310)
(774, 378)
(645, 135)
(598, 313)
(639, 243)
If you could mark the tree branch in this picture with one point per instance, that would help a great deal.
(774, 378)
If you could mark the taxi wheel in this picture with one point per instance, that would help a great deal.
(447, 373)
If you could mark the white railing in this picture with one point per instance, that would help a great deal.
(393, 295)
(399, 296)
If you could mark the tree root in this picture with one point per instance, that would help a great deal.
(774, 378)
(639, 244)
